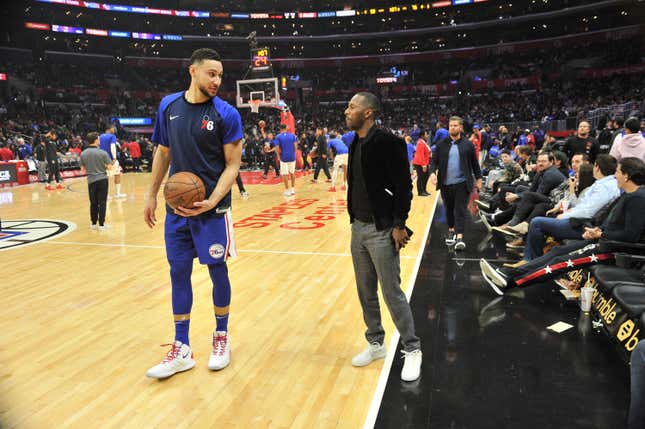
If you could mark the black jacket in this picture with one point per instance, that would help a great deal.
(386, 173)
(545, 181)
(467, 159)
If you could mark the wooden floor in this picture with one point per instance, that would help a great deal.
(84, 315)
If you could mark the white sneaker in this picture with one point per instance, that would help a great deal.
(103, 227)
(293, 192)
(179, 358)
(372, 352)
(287, 193)
(93, 226)
(412, 365)
(120, 195)
(221, 354)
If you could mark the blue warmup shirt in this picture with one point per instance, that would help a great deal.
(411, 149)
(196, 134)
(285, 141)
(439, 135)
(348, 138)
(338, 146)
(106, 140)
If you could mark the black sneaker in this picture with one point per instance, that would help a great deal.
(451, 237)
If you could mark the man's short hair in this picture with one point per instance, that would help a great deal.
(585, 157)
(204, 54)
(633, 124)
(606, 163)
(505, 152)
(525, 150)
(634, 168)
(91, 137)
(371, 102)
(549, 154)
(283, 126)
(332, 135)
(618, 120)
(456, 118)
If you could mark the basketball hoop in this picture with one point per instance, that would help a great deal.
(255, 105)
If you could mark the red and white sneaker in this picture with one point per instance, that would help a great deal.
(60, 186)
(49, 187)
(344, 187)
(179, 358)
(332, 189)
(221, 354)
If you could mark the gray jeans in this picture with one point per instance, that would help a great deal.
(375, 259)
(42, 171)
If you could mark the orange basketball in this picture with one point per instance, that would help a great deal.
(183, 189)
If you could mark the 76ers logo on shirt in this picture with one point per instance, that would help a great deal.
(216, 251)
(207, 123)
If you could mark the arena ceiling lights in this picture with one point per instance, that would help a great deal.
(416, 7)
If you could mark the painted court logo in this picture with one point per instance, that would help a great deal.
(16, 233)
(216, 251)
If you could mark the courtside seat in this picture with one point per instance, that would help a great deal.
(631, 298)
(608, 276)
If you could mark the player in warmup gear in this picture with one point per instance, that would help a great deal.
(108, 142)
(53, 165)
(286, 145)
(202, 134)
(340, 161)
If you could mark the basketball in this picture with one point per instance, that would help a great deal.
(183, 189)
(262, 124)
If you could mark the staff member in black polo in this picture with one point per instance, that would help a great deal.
(454, 168)
(379, 195)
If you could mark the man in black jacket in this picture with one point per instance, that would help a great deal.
(379, 195)
(454, 169)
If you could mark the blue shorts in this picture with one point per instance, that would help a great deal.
(210, 239)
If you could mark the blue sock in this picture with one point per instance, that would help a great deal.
(182, 297)
(221, 294)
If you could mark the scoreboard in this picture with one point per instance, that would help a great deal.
(260, 59)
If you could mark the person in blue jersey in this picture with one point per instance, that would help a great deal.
(348, 138)
(440, 133)
(286, 145)
(108, 142)
(340, 153)
(197, 132)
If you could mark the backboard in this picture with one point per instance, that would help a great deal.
(264, 90)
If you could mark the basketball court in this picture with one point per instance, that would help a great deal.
(86, 311)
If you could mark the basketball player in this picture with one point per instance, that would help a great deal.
(340, 161)
(286, 145)
(107, 142)
(202, 134)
